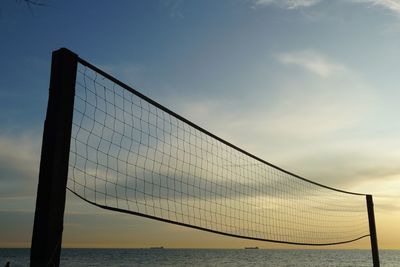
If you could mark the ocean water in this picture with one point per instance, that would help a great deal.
(207, 257)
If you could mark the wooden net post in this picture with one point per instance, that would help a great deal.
(51, 192)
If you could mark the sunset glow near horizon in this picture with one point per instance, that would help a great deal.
(308, 85)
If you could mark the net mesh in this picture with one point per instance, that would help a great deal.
(131, 155)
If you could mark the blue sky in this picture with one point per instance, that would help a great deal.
(309, 85)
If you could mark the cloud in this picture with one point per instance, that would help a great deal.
(392, 5)
(19, 161)
(287, 4)
(312, 62)
(316, 135)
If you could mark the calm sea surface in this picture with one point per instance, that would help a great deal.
(207, 257)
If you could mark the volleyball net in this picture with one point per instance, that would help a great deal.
(130, 154)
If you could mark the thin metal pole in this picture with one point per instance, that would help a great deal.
(372, 231)
(50, 200)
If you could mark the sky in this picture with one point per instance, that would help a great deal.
(308, 85)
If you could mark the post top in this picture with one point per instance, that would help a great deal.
(64, 51)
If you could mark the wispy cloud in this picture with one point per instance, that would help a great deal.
(311, 61)
(19, 163)
(288, 4)
(392, 5)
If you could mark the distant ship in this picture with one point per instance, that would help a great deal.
(251, 248)
(156, 247)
